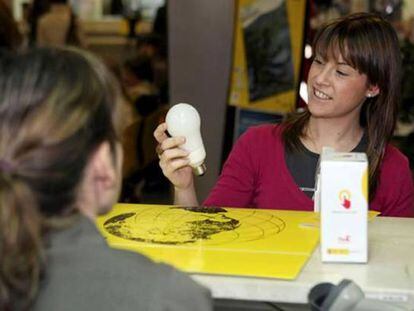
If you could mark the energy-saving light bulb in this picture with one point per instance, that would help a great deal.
(183, 120)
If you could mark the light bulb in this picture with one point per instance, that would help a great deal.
(184, 120)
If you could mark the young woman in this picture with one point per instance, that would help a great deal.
(60, 167)
(354, 87)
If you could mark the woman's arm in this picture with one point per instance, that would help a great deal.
(185, 197)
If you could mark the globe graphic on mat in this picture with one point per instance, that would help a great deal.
(172, 225)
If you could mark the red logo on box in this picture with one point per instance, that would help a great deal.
(345, 198)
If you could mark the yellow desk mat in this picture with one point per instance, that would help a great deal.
(229, 241)
(315, 219)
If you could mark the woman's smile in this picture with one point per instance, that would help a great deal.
(321, 95)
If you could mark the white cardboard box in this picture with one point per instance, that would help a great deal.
(343, 200)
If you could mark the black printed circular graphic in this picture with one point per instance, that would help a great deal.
(184, 225)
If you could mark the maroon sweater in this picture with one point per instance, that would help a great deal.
(255, 175)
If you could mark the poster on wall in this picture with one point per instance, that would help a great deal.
(267, 54)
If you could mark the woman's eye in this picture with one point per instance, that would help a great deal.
(318, 61)
(341, 73)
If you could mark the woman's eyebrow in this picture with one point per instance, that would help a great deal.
(344, 63)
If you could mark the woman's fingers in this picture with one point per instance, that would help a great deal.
(160, 134)
(168, 157)
(174, 160)
(172, 142)
(165, 142)
(171, 154)
(169, 167)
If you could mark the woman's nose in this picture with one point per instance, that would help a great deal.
(322, 77)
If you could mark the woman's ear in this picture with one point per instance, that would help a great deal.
(101, 182)
(102, 165)
(372, 91)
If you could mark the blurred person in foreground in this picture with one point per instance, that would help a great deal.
(60, 167)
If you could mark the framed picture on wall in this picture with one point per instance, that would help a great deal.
(267, 54)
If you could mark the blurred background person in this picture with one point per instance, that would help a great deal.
(55, 23)
(10, 36)
(36, 9)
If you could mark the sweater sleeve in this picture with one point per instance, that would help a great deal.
(235, 186)
(402, 205)
(396, 186)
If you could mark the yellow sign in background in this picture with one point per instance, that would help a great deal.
(230, 241)
(284, 47)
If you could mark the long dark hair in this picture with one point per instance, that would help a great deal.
(368, 43)
(56, 107)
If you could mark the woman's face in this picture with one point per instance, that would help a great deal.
(336, 90)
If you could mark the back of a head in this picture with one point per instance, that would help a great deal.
(56, 107)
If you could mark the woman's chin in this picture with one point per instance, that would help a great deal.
(318, 111)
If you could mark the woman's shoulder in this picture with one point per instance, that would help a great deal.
(394, 163)
(394, 158)
(165, 281)
(394, 195)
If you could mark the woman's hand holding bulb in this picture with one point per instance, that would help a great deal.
(182, 154)
(173, 160)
